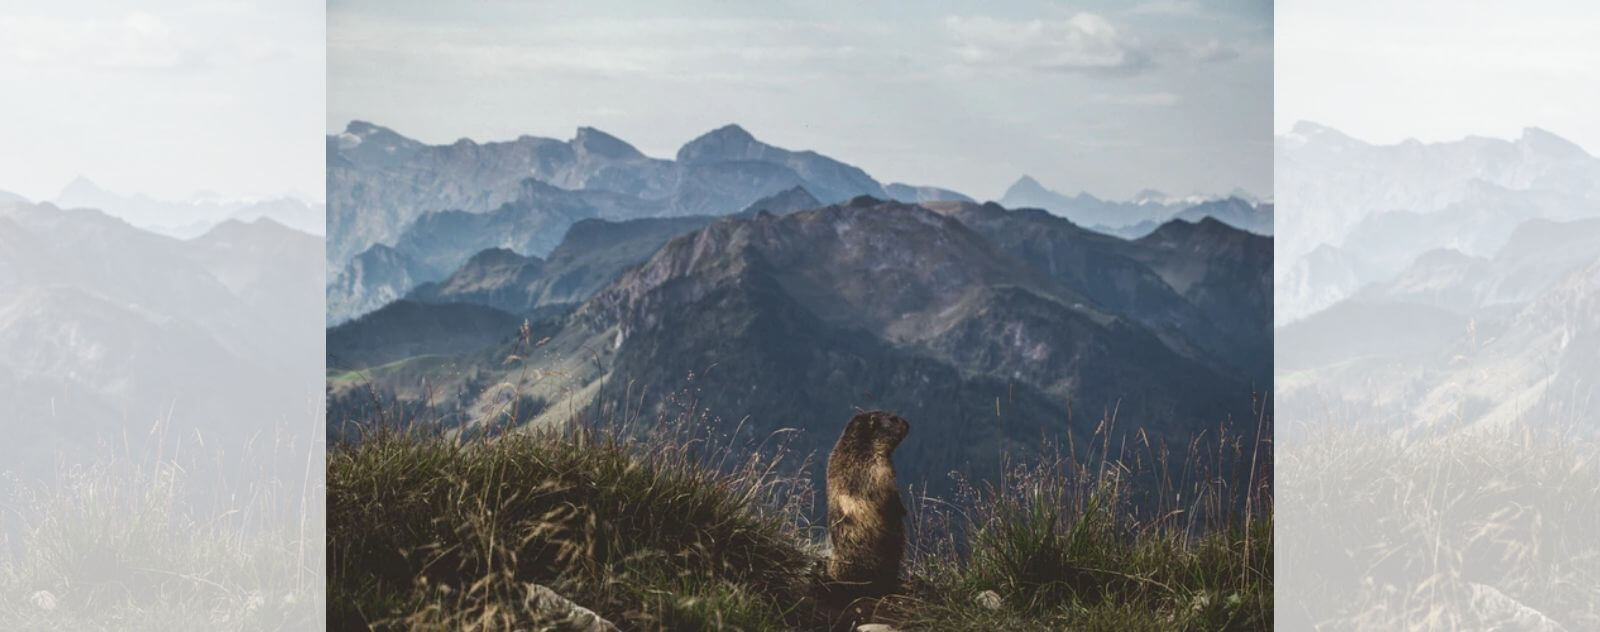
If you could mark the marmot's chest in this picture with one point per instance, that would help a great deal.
(871, 500)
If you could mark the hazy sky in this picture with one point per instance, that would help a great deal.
(1439, 70)
(166, 98)
(1109, 97)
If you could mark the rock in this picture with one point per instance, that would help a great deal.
(561, 614)
(43, 600)
(1499, 611)
(989, 599)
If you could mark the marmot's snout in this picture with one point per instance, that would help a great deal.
(893, 429)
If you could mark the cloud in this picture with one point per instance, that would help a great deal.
(1147, 99)
(1083, 43)
(1168, 7)
(138, 41)
(1210, 50)
(733, 50)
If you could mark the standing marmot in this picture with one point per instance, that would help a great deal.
(866, 521)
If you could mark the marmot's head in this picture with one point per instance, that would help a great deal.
(877, 431)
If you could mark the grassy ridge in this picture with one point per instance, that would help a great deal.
(669, 529)
(150, 540)
(1405, 531)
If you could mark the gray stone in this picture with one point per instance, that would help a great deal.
(551, 609)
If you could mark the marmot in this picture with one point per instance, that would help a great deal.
(866, 522)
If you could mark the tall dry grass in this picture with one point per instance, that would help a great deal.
(167, 538)
(1467, 529)
(665, 524)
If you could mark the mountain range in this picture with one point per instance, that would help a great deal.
(1463, 295)
(403, 213)
(1149, 208)
(1364, 211)
(106, 327)
(989, 327)
(193, 217)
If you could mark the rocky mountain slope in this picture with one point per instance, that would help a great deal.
(438, 205)
(1365, 211)
(102, 325)
(1455, 339)
(988, 327)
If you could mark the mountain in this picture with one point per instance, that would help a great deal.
(1027, 192)
(1088, 210)
(380, 182)
(1383, 205)
(191, 218)
(787, 201)
(291, 212)
(918, 194)
(1239, 213)
(592, 254)
(826, 178)
(375, 278)
(408, 329)
(438, 205)
(1201, 287)
(1457, 340)
(103, 326)
(791, 320)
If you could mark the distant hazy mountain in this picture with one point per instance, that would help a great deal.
(786, 201)
(1381, 206)
(1088, 210)
(375, 278)
(1457, 339)
(947, 314)
(592, 255)
(826, 178)
(1239, 213)
(438, 205)
(189, 218)
(916, 194)
(104, 328)
(1171, 281)
(380, 182)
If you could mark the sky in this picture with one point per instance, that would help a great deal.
(1105, 97)
(1440, 70)
(168, 98)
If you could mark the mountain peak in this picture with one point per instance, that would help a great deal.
(1150, 195)
(363, 128)
(595, 142)
(1544, 141)
(728, 142)
(81, 184)
(731, 131)
(1026, 185)
(495, 257)
(1309, 128)
(795, 198)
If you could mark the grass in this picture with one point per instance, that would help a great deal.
(126, 541)
(672, 527)
(1400, 532)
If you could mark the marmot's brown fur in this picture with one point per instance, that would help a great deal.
(866, 522)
